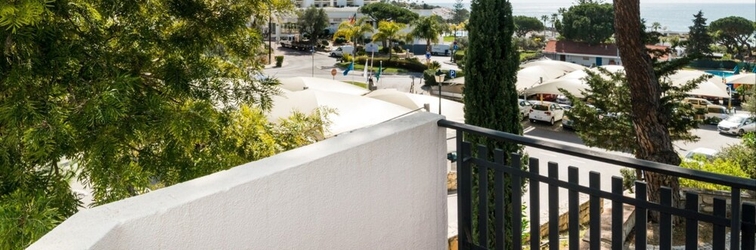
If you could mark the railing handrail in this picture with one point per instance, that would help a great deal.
(727, 180)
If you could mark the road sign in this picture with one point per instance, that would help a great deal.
(427, 55)
(455, 46)
(333, 73)
(452, 73)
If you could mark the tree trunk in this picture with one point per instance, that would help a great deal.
(652, 136)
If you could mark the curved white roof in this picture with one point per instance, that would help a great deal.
(352, 111)
(300, 83)
(553, 65)
(454, 111)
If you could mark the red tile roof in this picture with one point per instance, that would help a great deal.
(569, 47)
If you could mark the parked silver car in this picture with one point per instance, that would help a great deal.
(737, 124)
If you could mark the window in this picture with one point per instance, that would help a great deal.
(541, 107)
(717, 110)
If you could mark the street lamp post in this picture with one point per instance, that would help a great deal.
(312, 50)
(270, 32)
(439, 79)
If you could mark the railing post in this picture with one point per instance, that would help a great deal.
(749, 225)
(464, 192)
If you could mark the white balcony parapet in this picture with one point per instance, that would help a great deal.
(382, 187)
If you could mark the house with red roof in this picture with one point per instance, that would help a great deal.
(586, 54)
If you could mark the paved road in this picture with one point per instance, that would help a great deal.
(297, 63)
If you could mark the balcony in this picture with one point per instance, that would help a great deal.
(383, 187)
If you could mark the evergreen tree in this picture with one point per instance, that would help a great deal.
(700, 40)
(490, 97)
(459, 13)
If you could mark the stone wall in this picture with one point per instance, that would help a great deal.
(706, 199)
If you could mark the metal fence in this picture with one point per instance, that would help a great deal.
(741, 221)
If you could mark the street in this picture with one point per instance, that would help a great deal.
(298, 63)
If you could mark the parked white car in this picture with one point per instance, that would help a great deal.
(707, 153)
(547, 112)
(737, 124)
(525, 107)
(716, 114)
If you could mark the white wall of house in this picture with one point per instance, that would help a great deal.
(381, 187)
(588, 60)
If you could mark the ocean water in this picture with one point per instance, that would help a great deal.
(676, 17)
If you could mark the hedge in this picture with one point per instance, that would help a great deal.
(411, 65)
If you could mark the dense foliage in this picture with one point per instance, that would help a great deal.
(381, 11)
(608, 123)
(700, 40)
(459, 13)
(136, 95)
(588, 21)
(490, 97)
(428, 28)
(312, 22)
(388, 32)
(525, 24)
(733, 32)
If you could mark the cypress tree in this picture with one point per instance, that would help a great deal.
(700, 41)
(490, 96)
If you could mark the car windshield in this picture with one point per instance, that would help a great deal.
(541, 107)
(694, 155)
(734, 119)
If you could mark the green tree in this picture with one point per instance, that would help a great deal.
(312, 22)
(388, 31)
(589, 21)
(656, 26)
(429, 28)
(733, 32)
(132, 94)
(650, 114)
(380, 11)
(699, 40)
(353, 31)
(459, 13)
(490, 97)
(525, 24)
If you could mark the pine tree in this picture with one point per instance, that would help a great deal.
(700, 40)
(490, 96)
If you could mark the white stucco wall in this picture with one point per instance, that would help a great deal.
(382, 187)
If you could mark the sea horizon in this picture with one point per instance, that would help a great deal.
(675, 17)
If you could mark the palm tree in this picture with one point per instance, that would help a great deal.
(553, 20)
(355, 30)
(656, 26)
(544, 19)
(388, 30)
(428, 28)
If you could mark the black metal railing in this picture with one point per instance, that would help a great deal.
(741, 221)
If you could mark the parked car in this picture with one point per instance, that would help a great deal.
(525, 107)
(441, 49)
(716, 114)
(562, 99)
(737, 124)
(707, 153)
(547, 112)
(341, 50)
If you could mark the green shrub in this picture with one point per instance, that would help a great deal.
(279, 61)
(324, 43)
(743, 154)
(340, 40)
(719, 166)
(629, 177)
(410, 65)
